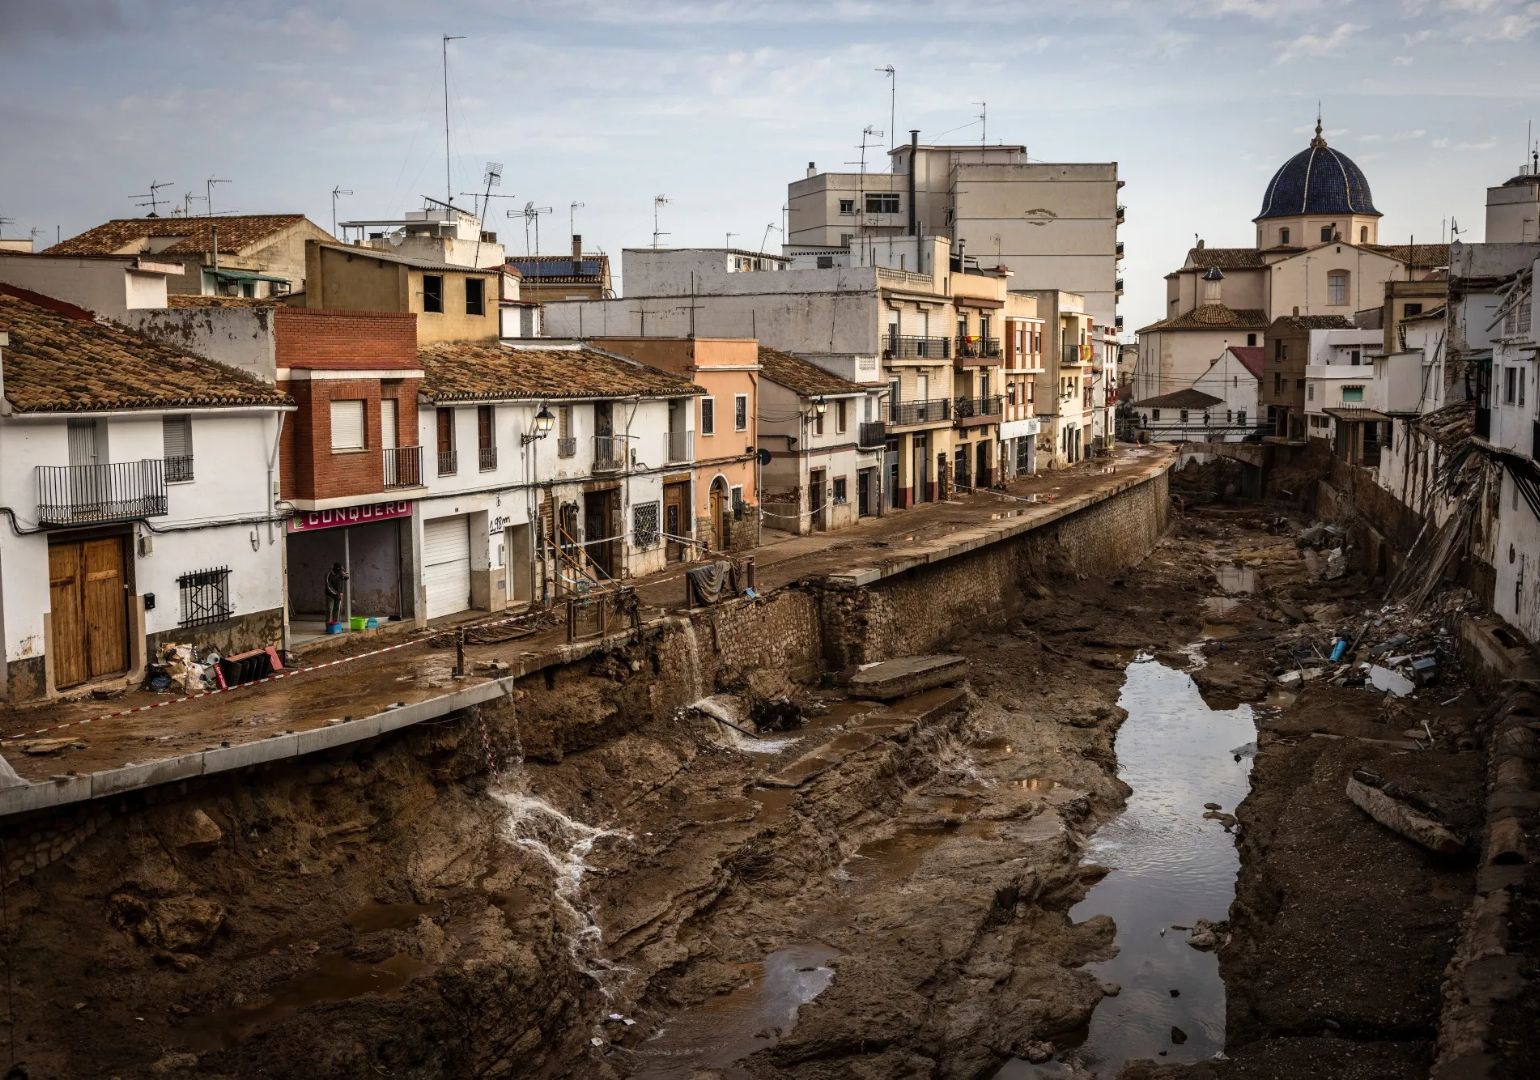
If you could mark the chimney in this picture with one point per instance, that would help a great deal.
(577, 246)
(1200, 243)
(1296, 309)
(812, 169)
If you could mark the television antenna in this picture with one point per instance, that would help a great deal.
(152, 197)
(730, 239)
(531, 213)
(208, 186)
(491, 177)
(766, 238)
(983, 118)
(658, 203)
(337, 192)
(892, 73)
(572, 210)
(448, 186)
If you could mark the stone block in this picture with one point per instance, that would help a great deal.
(893, 679)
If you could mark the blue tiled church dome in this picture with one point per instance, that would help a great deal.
(1317, 180)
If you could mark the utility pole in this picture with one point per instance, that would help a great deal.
(448, 186)
(492, 177)
(337, 191)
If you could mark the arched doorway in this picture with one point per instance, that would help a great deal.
(721, 514)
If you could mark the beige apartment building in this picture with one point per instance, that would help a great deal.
(1053, 225)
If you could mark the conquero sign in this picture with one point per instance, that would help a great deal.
(310, 520)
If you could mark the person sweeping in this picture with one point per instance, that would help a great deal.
(336, 584)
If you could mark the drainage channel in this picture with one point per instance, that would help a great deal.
(1170, 866)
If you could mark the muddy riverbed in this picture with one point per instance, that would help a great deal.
(969, 882)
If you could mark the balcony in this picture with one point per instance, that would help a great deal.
(486, 458)
(1120, 249)
(1119, 287)
(680, 446)
(448, 462)
(872, 433)
(98, 494)
(179, 470)
(609, 453)
(1122, 213)
(403, 467)
(929, 411)
(976, 351)
(970, 411)
(900, 347)
(566, 447)
(1074, 354)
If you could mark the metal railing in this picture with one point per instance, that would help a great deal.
(486, 458)
(179, 470)
(978, 346)
(970, 408)
(904, 277)
(680, 445)
(929, 411)
(609, 453)
(872, 433)
(403, 467)
(1070, 354)
(566, 447)
(903, 347)
(448, 462)
(91, 494)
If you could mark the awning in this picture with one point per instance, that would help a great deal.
(245, 275)
(1359, 413)
(977, 302)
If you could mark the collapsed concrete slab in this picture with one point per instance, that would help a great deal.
(892, 679)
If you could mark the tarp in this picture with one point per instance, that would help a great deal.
(712, 583)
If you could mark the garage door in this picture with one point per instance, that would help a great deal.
(446, 565)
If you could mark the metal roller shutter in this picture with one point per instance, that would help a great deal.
(446, 565)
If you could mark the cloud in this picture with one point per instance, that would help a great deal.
(1399, 136)
(1401, 61)
(1314, 44)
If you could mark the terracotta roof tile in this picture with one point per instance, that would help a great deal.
(1250, 356)
(62, 360)
(190, 300)
(802, 376)
(487, 371)
(1224, 258)
(1425, 255)
(236, 234)
(1213, 317)
(1187, 398)
(1310, 322)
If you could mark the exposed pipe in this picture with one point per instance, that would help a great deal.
(914, 150)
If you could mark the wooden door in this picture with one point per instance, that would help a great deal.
(676, 499)
(88, 599)
(105, 607)
(67, 625)
(719, 540)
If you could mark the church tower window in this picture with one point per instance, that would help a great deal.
(1283, 235)
(1337, 287)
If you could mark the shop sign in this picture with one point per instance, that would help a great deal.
(311, 520)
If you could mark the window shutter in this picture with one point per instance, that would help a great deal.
(177, 435)
(347, 425)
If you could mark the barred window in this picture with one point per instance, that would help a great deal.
(205, 596)
(644, 524)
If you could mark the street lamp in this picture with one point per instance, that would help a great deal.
(544, 421)
(820, 406)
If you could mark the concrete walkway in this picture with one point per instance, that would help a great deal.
(72, 751)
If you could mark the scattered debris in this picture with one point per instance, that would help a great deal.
(1403, 812)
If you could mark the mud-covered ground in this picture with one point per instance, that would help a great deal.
(882, 892)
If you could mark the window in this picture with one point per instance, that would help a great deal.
(176, 441)
(1277, 382)
(1280, 351)
(566, 443)
(447, 463)
(475, 296)
(1363, 234)
(1251, 340)
(1283, 235)
(348, 425)
(882, 203)
(825, 262)
(1337, 287)
(817, 422)
(1411, 309)
(1240, 417)
(845, 239)
(1184, 416)
(1154, 414)
(839, 491)
(1310, 392)
(740, 412)
(205, 596)
(708, 416)
(249, 288)
(738, 503)
(1355, 357)
(644, 524)
(432, 292)
(1510, 383)
(840, 408)
(847, 206)
(486, 438)
(1325, 233)
(1352, 393)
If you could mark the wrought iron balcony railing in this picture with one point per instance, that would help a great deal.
(403, 467)
(96, 494)
(929, 411)
(903, 347)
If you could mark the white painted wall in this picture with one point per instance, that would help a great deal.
(108, 287)
(1516, 593)
(241, 337)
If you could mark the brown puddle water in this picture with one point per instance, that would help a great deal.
(380, 916)
(334, 978)
(729, 1027)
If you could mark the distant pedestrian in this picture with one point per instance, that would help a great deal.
(336, 585)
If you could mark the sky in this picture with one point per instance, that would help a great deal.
(718, 104)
